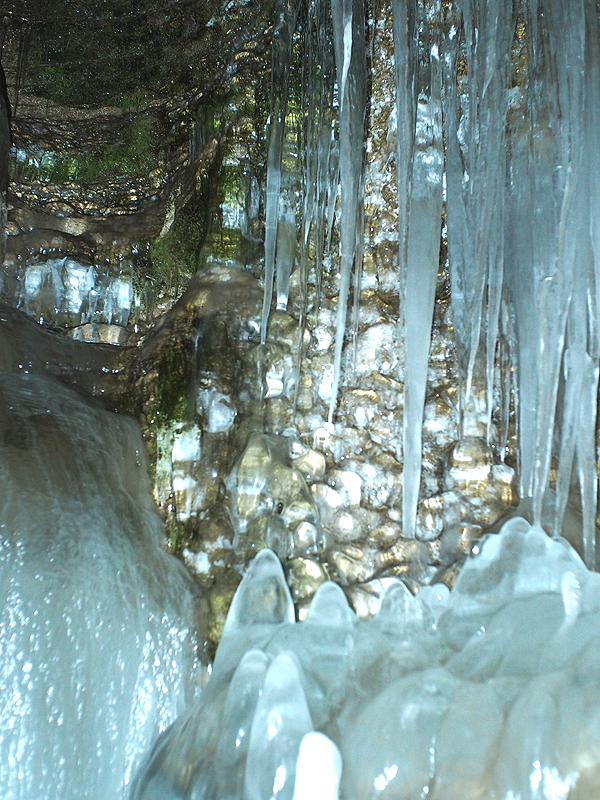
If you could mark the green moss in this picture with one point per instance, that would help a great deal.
(173, 535)
(134, 155)
(107, 52)
(177, 255)
(174, 258)
(172, 389)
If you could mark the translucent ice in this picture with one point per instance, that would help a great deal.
(282, 43)
(489, 690)
(61, 291)
(262, 601)
(419, 254)
(280, 722)
(238, 712)
(350, 58)
(271, 504)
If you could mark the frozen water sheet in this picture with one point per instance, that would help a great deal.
(487, 692)
(96, 653)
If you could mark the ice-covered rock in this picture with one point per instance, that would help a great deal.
(64, 292)
(270, 502)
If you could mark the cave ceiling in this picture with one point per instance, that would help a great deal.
(122, 111)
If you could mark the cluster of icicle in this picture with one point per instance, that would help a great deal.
(486, 692)
(513, 90)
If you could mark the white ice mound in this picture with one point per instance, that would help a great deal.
(96, 651)
(488, 692)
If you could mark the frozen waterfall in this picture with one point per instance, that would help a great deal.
(98, 649)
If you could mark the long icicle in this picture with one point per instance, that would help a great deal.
(317, 87)
(563, 69)
(351, 69)
(282, 46)
(424, 221)
(476, 108)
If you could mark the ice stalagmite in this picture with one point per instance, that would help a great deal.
(487, 690)
(280, 723)
(204, 753)
(350, 58)
(238, 712)
(419, 263)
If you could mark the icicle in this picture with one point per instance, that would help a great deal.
(282, 44)
(550, 247)
(564, 72)
(476, 175)
(317, 87)
(586, 459)
(592, 108)
(422, 263)
(286, 251)
(350, 56)
(586, 450)
(358, 269)
(405, 65)
(523, 306)
(494, 284)
(507, 345)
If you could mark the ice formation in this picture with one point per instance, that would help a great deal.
(62, 291)
(97, 645)
(512, 90)
(418, 87)
(277, 218)
(488, 691)
(351, 69)
(271, 504)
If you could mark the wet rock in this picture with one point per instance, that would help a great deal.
(270, 502)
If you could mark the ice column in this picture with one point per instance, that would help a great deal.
(318, 166)
(552, 255)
